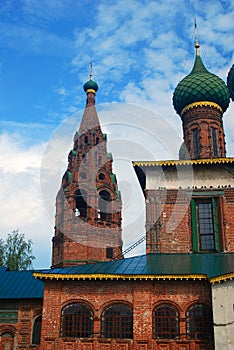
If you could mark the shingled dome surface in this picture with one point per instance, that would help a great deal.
(200, 85)
(230, 82)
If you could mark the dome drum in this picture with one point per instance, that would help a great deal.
(204, 137)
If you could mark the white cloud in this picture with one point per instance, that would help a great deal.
(21, 203)
(144, 45)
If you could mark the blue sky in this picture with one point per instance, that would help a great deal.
(140, 51)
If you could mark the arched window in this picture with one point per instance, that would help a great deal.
(7, 341)
(77, 321)
(97, 140)
(36, 336)
(104, 199)
(117, 322)
(86, 139)
(109, 252)
(81, 204)
(165, 322)
(199, 322)
(196, 143)
(214, 142)
(101, 176)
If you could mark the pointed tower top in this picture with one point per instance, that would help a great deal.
(90, 118)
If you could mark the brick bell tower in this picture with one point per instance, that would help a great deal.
(88, 204)
(200, 99)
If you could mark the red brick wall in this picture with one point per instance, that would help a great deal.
(142, 295)
(168, 220)
(28, 311)
(204, 118)
(228, 220)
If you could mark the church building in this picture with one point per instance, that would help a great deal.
(179, 295)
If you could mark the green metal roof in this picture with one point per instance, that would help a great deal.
(200, 85)
(230, 82)
(151, 266)
(90, 85)
(19, 285)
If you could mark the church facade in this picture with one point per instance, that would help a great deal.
(179, 295)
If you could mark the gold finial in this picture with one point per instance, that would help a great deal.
(196, 38)
(91, 71)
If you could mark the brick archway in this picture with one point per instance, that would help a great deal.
(7, 341)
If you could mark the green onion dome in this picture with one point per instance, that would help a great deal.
(230, 82)
(200, 85)
(90, 86)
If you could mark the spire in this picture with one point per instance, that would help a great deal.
(90, 85)
(90, 118)
(197, 46)
(91, 71)
(198, 64)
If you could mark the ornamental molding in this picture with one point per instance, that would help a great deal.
(59, 276)
(201, 104)
(117, 277)
(90, 90)
(183, 162)
(222, 278)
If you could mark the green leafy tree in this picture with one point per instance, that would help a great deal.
(16, 252)
(1, 252)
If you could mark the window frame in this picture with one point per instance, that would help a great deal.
(36, 332)
(9, 314)
(164, 323)
(199, 322)
(117, 321)
(77, 324)
(196, 235)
